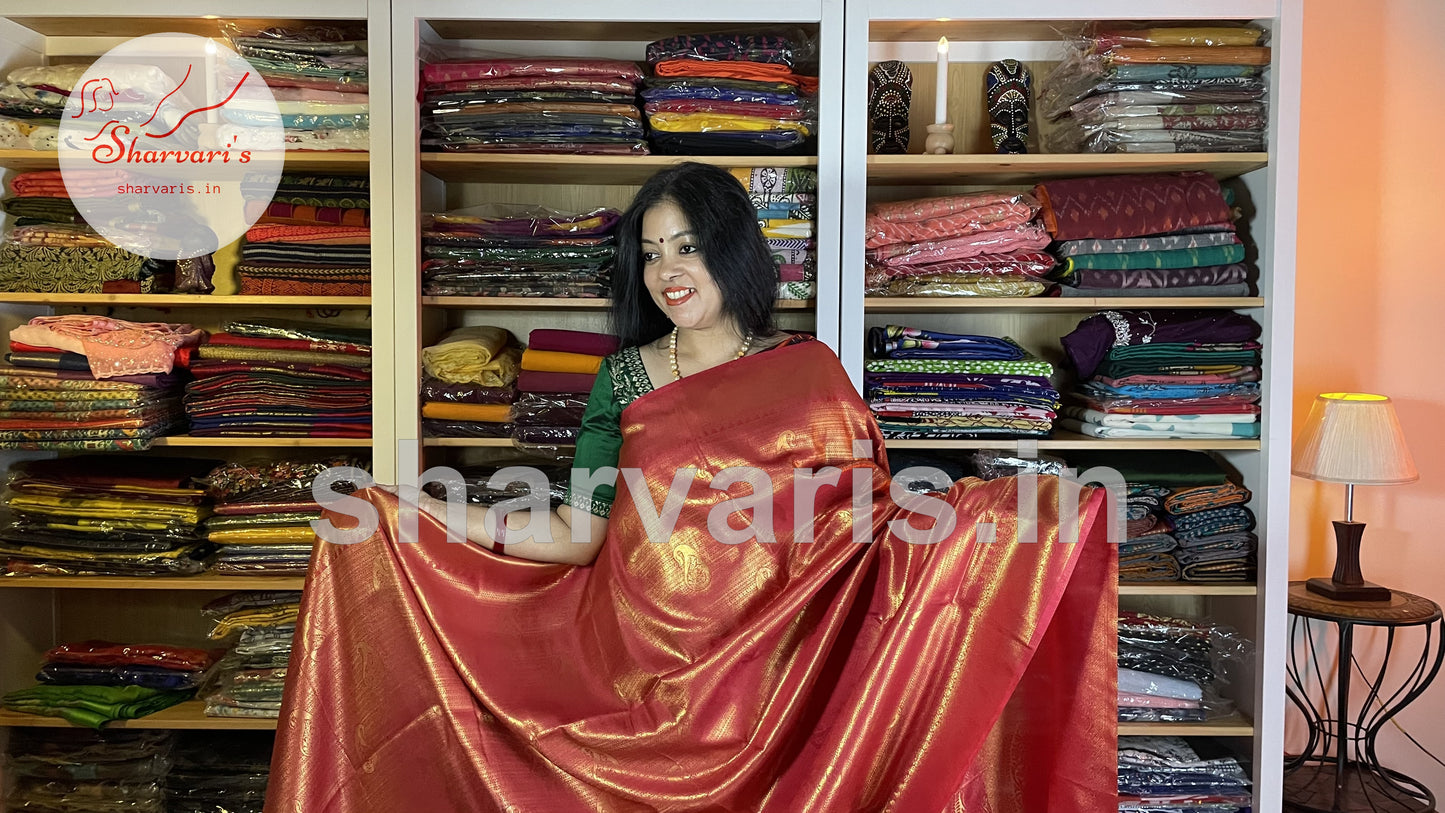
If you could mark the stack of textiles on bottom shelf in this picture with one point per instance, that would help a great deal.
(305, 259)
(1186, 518)
(532, 105)
(76, 770)
(318, 77)
(263, 513)
(977, 244)
(278, 378)
(1166, 775)
(89, 382)
(544, 421)
(927, 384)
(1165, 374)
(281, 259)
(1169, 668)
(1159, 88)
(91, 683)
(729, 94)
(469, 383)
(508, 250)
(97, 515)
(1110, 245)
(786, 201)
(51, 249)
(251, 676)
(219, 772)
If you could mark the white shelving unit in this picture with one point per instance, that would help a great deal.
(980, 32)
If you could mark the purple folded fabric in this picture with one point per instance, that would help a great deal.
(1090, 342)
(572, 341)
(151, 380)
(534, 381)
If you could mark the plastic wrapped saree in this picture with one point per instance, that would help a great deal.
(686, 674)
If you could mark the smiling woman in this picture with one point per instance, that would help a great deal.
(674, 660)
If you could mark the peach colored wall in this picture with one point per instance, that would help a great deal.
(1371, 297)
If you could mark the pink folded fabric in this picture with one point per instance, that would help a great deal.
(993, 217)
(550, 67)
(572, 341)
(905, 211)
(1128, 700)
(1031, 237)
(1020, 263)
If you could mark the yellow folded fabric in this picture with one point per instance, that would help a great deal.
(1200, 35)
(446, 411)
(468, 354)
(784, 229)
(284, 535)
(1193, 55)
(275, 616)
(103, 508)
(714, 122)
(555, 361)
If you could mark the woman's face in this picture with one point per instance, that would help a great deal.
(675, 272)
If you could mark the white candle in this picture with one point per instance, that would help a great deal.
(940, 109)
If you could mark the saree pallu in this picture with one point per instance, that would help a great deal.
(688, 674)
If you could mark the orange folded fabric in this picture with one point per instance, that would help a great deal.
(554, 361)
(447, 411)
(319, 235)
(755, 71)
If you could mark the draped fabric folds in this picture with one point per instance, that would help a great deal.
(691, 675)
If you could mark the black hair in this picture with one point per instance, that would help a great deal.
(725, 229)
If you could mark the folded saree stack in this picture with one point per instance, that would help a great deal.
(278, 378)
(318, 77)
(1177, 88)
(562, 105)
(511, 250)
(77, 769)
(51, 249)
(1167, 775)
(251, 675)
(323, 249)
(469, 383)
(786, 200)
(928, 384)
(263, 513)
(309, 252)
(32, 103)
(1165, 374)
(87, 515)
(729, 94)
(975, 244)
(91, 683)
(1182, 243)
(1168, 668)
(215, 771)
(90, 382)
(544, 421)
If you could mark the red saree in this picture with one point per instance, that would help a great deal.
(692, 675)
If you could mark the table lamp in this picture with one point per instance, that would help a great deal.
(1355, 439)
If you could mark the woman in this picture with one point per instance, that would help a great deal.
(750, 658)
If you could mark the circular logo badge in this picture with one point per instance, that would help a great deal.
(171, 146)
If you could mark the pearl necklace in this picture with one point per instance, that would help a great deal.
(672, 353)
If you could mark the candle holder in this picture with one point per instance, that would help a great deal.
(939, 140)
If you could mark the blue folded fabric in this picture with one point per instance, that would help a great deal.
(1192, 528)
(897, 342)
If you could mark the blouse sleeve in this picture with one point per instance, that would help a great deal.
(599, 444)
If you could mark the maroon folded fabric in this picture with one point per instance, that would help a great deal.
(105, 653)
(1115, 206)
(289, 344)
(230, 509)
(205, 368)
(572, 341)
(101, 470)
(534, 381)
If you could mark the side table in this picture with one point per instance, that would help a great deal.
(1339, 771)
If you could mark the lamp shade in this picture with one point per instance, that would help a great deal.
(1352, 437)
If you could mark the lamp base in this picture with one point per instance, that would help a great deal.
(1334, 591)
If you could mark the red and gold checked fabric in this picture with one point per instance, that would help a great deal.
(687, 674)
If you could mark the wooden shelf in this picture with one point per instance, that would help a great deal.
(1235, 725)
(296, 160)
(1021, 169)
(187, 715)
(1062, 439)
(973, 30)
(203, 581)
(259, 442)
(185, 301)
(498, 303)
(622, 170)
(1187, 589)
(948, 304)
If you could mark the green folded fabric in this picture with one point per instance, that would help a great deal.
(92, 706)
(1174, 258)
